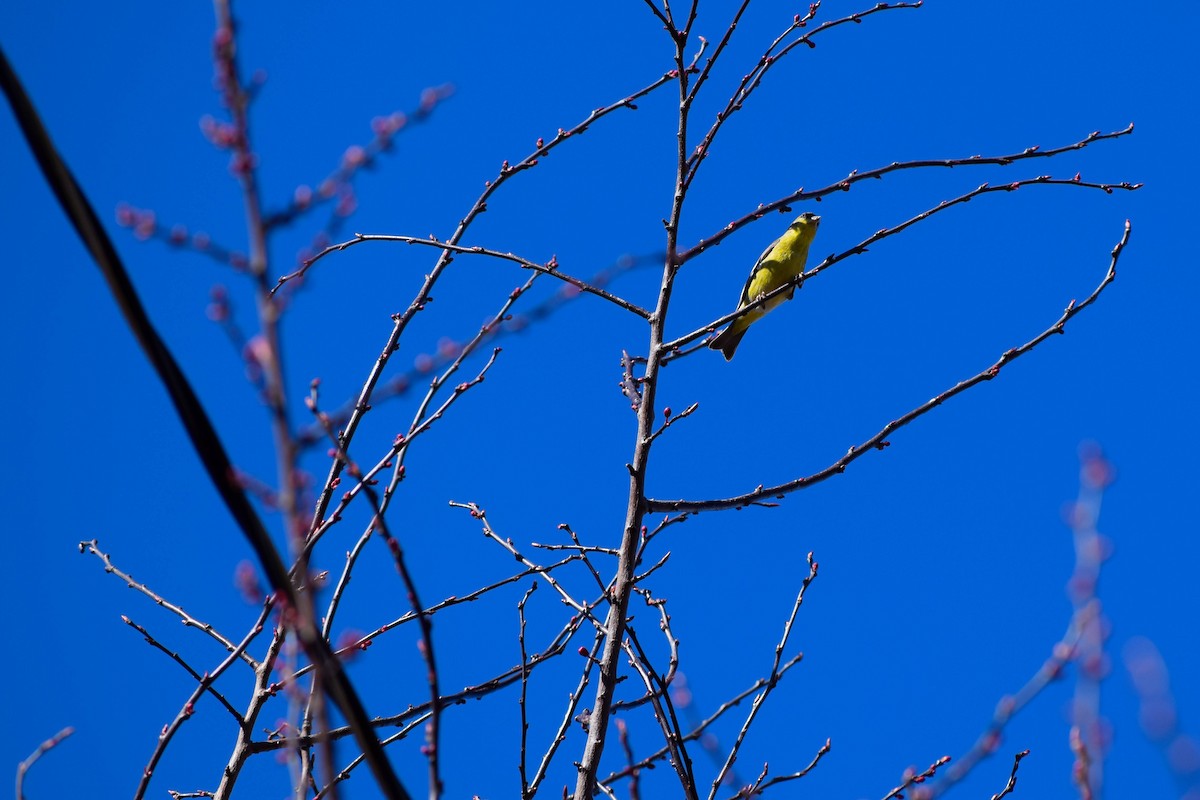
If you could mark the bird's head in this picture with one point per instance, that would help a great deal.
(806, 220)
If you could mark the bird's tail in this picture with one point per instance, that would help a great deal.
(727, 341)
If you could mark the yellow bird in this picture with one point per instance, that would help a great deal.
(782, 261)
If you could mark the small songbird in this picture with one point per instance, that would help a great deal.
(782, 261)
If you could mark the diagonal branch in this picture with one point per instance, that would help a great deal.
(178, 659)
(783, 203)
(761, 785)
(754, 77)
(188, 620)
(706, 70)
(879, 440)
(189, 708)
(698, 731)
(403, 718)
(674, 347)
(664, 714)
(507, 171)
(771, 683)
(1011, 786)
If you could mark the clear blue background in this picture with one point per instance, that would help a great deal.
(943, 559)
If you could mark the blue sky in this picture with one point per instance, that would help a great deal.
(943, 558)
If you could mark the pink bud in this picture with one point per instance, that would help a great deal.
(354, 157)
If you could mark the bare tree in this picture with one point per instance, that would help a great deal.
(619, 662)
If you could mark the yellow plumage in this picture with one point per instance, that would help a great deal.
(782, 261)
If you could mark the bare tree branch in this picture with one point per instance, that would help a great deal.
(879, 441)
(550, 268)
(844, 185)
(42, 749)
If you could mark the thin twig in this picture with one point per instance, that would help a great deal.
(760, 786)
(187, 619)
(664, 710)
(912, 777)
(447, 350)
(712, 60)
(754, 77)
(560, 735)
(432, 748)
(494, 684)
(41, 750)
(699, 729)
(481, 515)
(178, 659)
(344, 773)
(359, 158)
(364, 641)
(421, 423)
(771, 682)
(524, 689)
(186, 711)
(1012, 778)
(669, 420)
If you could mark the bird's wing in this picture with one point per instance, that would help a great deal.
(746, 299)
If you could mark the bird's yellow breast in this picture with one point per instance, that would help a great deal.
(784, 261)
